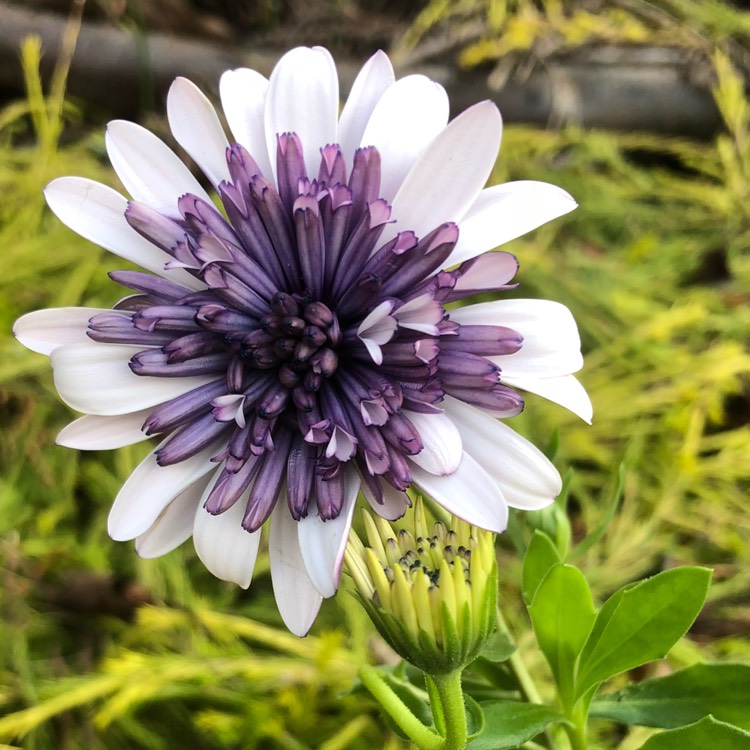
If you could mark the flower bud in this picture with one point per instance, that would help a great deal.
(430, 593)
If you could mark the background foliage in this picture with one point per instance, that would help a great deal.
(99, 649)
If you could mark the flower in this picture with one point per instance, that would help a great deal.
(293, 345)
(431, 595)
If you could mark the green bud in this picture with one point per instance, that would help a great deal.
(431, 593)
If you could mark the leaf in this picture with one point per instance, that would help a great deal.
(722, 690)
(642, 622)
(563, 614)
(474, 717)
(540, 556)
(498, 648)
(706, 733)
(509, 724)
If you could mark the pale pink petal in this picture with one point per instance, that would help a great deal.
(196, 127)
(174, 525)
(408, 115)
(150, 171)
(322, 543)
(303, 98)
(296, 597)
(243, 99)
(468, 493)
(504, 212)
(526, 477)
(449, 175)
(95, 379)
(224, 547)
(44, 330)
(370, 84)
(95, 433)
(150, 488)
(443, 450)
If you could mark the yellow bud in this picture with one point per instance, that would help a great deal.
(430, 593)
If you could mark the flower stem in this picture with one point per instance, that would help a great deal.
(524, 679)
(412, 727)
(577, 732)
(451, 697)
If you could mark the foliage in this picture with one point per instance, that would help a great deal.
(655, 265)
(504, 31)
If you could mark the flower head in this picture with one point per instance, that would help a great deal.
(290, 341)
(431, 593)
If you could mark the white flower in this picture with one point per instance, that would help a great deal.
(299, 350)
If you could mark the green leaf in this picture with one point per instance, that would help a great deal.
(722, 690)
(706, 733)
(540, 556)
(499, 647)
(474, 717)
(563, 614)
(642, 622)
(509, 724)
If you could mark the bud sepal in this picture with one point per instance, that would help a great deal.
(432, 596)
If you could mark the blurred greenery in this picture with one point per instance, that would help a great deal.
(655, 265)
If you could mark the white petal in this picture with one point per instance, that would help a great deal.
(468, 493)
(450, 174)
(243, 99)
(443, 449)
(196, 127)
(44, 330)
(564, 390)
(370, 84)
(95, 379)
(97, 213)
(421, 314)
(409, 114)
(378, 325)
(150, 171)
(150, 488)
(224, 547)
(174, 525)
(524, 474)
(394, 503)
(322, 543)
(377, 329)
(95, 433)
(342, 444)
(303, 98)
(504, 212)
(296, 597)
(551, 344)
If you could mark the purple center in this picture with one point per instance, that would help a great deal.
(314, 341)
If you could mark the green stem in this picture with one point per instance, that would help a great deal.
(526, 683)
(412, 727)
(524, 679)
(451, 697)
(577, 733)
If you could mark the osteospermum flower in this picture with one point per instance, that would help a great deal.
(293, 343)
